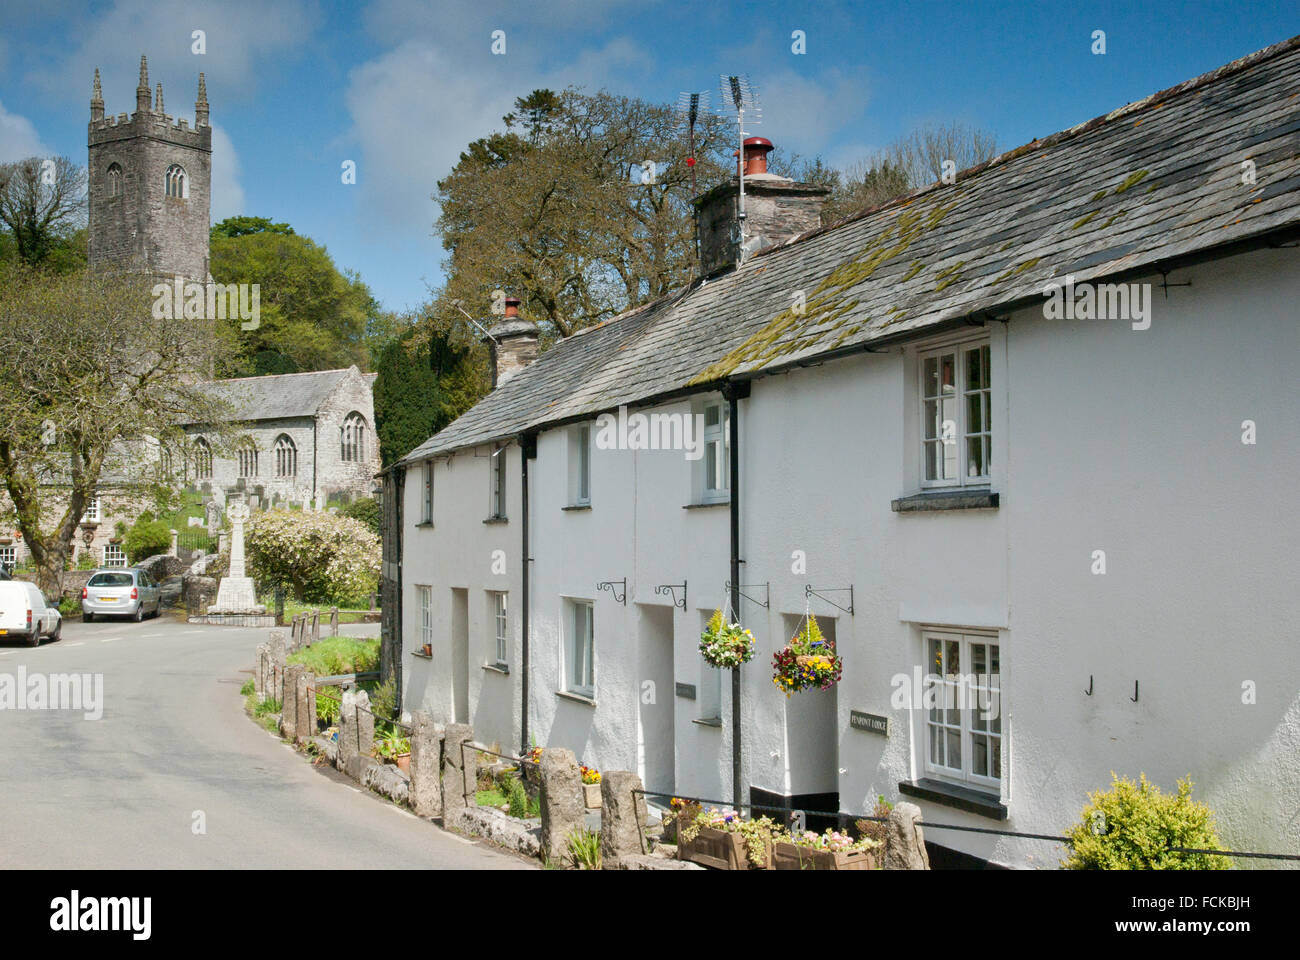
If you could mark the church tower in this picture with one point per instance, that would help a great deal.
(150, 181)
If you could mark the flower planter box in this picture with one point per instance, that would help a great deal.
(718, 849)
(591, 795)
(788, 856)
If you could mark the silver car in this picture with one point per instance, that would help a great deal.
(122, 591)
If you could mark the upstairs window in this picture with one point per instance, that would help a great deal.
(113, 180)
(177, 184)
(717, 453)
(497, 492)
(957, 433)
(353, 438)
(286, 457)
(426, 499)
(580, 466)
(92, 511)
(202, 460)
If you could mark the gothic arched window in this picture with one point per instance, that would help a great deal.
(177, 185)
(247, 456)
(202, 460)
(114, 180)
(286, 457)
(353, 439)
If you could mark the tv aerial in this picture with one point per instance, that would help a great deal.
(739, 97)
(690, 106)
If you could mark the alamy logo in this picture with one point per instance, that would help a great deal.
(75, 913)
(957, 691)
(208, 301)
(657, 431)
(1099, 301)
(57, 691)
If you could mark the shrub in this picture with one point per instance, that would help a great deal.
(1134, 826)
(516, 797)
(146, 538)
(584, 848)
(69, 607)
(247, 688)
(335, 655)
(365, 509)
(317, 556)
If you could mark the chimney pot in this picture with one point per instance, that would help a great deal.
(512, 306)
(756, 151)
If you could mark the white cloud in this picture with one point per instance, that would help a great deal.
(18, 138)
(227, 194)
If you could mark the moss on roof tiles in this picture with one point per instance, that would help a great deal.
(1131, 180)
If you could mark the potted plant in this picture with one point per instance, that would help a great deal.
(427, 649)
(808, 660)
(725, 645)
(392, 747)
(831, 850)
(590, 786)
(530, 766)
(725, 840)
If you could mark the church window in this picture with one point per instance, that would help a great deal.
(286, 457)
(114, 180)
(354, 438)
(177, 186)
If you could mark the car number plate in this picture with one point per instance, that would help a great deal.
(108, 599)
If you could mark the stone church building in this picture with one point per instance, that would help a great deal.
(308, 438)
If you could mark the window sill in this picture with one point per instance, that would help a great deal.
(427, 524)
(947, 500)
(496, 520)
(501, 668)
(705, 506)
(709, 722)
(575, 697)
(951, 795)
(577, 506)
(421, 654)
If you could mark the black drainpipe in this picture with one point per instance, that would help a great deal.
(527, 451)
(734, 391)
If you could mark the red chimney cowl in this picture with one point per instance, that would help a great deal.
(756, 151)
(512, 306)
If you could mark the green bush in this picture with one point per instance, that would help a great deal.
(335, 655)
(146, 538)
(247, 688)
(516, 796)
(69, 607)
(366, 509)
(1134, 826)
(584, 848)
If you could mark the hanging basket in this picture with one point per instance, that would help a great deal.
(725, 645)
(808, 660)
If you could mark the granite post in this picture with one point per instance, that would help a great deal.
(904, 840)
(563, 809)
(623, 816)
(426, 761)
(459, 772)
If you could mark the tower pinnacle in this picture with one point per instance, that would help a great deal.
(142, 91)
(201, 105)
(97, 99)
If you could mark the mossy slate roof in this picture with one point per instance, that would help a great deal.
(280, 396)
(1151, 182)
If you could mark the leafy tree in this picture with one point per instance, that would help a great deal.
(1133, 826)
(427, 378)
(85, 370)
(581, 207)
(313, 316)
(42, 202)
(146, 538)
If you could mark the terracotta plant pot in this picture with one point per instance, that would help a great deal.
(428, 649)
(789, 856)
(403, 761)
(591, 795)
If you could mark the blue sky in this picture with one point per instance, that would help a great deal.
(400, 86)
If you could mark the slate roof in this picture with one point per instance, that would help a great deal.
(1144, 185)
(280, 396)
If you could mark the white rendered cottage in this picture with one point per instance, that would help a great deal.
(1038, 425)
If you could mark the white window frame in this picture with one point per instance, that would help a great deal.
(967, 686)
(8, 556)
(715, 485)
(118, 557)
(92, 511)
(424, 599)
(962, 434)
(501, 626)
(580, 466)
(580, 649)
(426, 494)
(497, 485)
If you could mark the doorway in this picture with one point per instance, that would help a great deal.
(656, 733)
(460, 653)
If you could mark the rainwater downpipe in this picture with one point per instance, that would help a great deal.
(734, 391)
(527, 450)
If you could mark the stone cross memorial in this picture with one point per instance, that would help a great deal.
(235, 594)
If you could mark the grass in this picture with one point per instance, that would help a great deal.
(247, 688)
(335, 655)
(293, 607)
(524, 807)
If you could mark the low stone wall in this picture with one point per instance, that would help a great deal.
(233, 620)
(522, 836)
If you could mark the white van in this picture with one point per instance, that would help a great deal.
(25, 614)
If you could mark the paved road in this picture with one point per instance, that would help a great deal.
(121, 792)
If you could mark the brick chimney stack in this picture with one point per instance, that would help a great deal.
(776, 209)
(513, 341)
